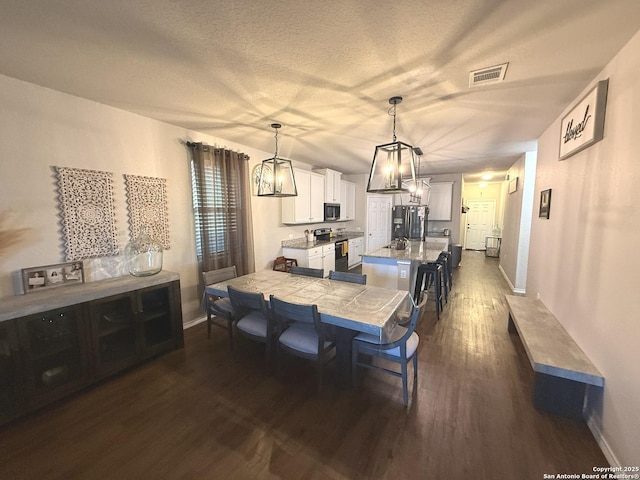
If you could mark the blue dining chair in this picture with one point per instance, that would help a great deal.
(348, 277)
(401, 351)
(302, 334)
(219, 307)
(309, 272)
(253, 317)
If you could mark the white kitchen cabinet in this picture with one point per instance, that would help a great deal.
(441, 201)
(406, 198)
(313, 261)
(317, 257)
(332, 187)
(328, 258)
(356, 247)
(348, 204)
(308, 205)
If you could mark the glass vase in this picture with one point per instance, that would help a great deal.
(144, 256)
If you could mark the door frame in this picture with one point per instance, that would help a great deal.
(469, 203)
(388, 220)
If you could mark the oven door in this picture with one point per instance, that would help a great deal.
(342, 257)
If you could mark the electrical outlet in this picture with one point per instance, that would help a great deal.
(403, 274)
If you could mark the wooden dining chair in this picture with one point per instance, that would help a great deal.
(302, 334)
(348, 277)
(283, 264)
(309, 272)
(219, 307)
(253, 317)
(401, 351)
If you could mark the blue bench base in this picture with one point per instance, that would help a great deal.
(559, 396)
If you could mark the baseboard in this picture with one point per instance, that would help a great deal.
(194, 322)
(513, 289)
(602, 442)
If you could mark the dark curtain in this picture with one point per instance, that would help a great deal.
(222, 208)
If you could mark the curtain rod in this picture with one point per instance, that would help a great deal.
(190, 144)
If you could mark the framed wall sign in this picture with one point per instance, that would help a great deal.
(513, 185)
(545, 203)
(584, 124)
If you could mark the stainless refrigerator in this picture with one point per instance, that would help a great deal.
(409, 221)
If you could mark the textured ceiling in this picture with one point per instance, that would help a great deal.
(325, 70)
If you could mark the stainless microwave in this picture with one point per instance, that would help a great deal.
(331, 211)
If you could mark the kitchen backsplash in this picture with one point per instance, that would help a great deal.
(296, 241)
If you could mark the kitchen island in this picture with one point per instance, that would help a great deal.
(391, 268)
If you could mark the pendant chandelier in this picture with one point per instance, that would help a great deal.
(393, 166)
(276, 175)
(420, 191)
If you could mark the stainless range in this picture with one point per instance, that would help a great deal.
(342, 248)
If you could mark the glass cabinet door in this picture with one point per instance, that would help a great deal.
(155, 316)
(10, 399)
(55, 353)
(115, 333)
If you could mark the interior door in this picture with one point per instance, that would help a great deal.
(378, 221)
(480, 222)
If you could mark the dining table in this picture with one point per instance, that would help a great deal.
(350, 308)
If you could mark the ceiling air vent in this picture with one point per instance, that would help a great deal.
(487, 75)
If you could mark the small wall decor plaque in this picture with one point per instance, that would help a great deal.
(584, 124)
(513, 185)
(545, 203)
(50, 276)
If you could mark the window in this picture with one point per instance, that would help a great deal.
(222, 208)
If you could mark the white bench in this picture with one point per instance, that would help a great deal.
(563, 370)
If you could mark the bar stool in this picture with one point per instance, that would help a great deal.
(430, 274)
(449, 270)
(444, 277)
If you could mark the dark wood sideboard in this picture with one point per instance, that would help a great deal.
(56, 342)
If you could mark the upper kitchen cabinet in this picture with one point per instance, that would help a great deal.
(332, 186)
(348, 196)
(308, 205)
(440, 201)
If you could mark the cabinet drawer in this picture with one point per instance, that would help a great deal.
(312, 252)
(329, 248)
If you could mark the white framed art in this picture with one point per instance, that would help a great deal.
(584, 124)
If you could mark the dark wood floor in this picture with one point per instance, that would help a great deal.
(206, 413)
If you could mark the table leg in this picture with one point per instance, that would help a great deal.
(343, 337)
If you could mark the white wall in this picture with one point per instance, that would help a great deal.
(518, 208)
(42, 128)
(583, 260)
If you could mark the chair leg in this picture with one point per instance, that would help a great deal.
(319, 374)
(230, 328)
(436, 290)
(405, 382)
(354, 365)
(208, 324)
(415, 366)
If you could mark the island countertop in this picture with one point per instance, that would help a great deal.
(416, 251)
